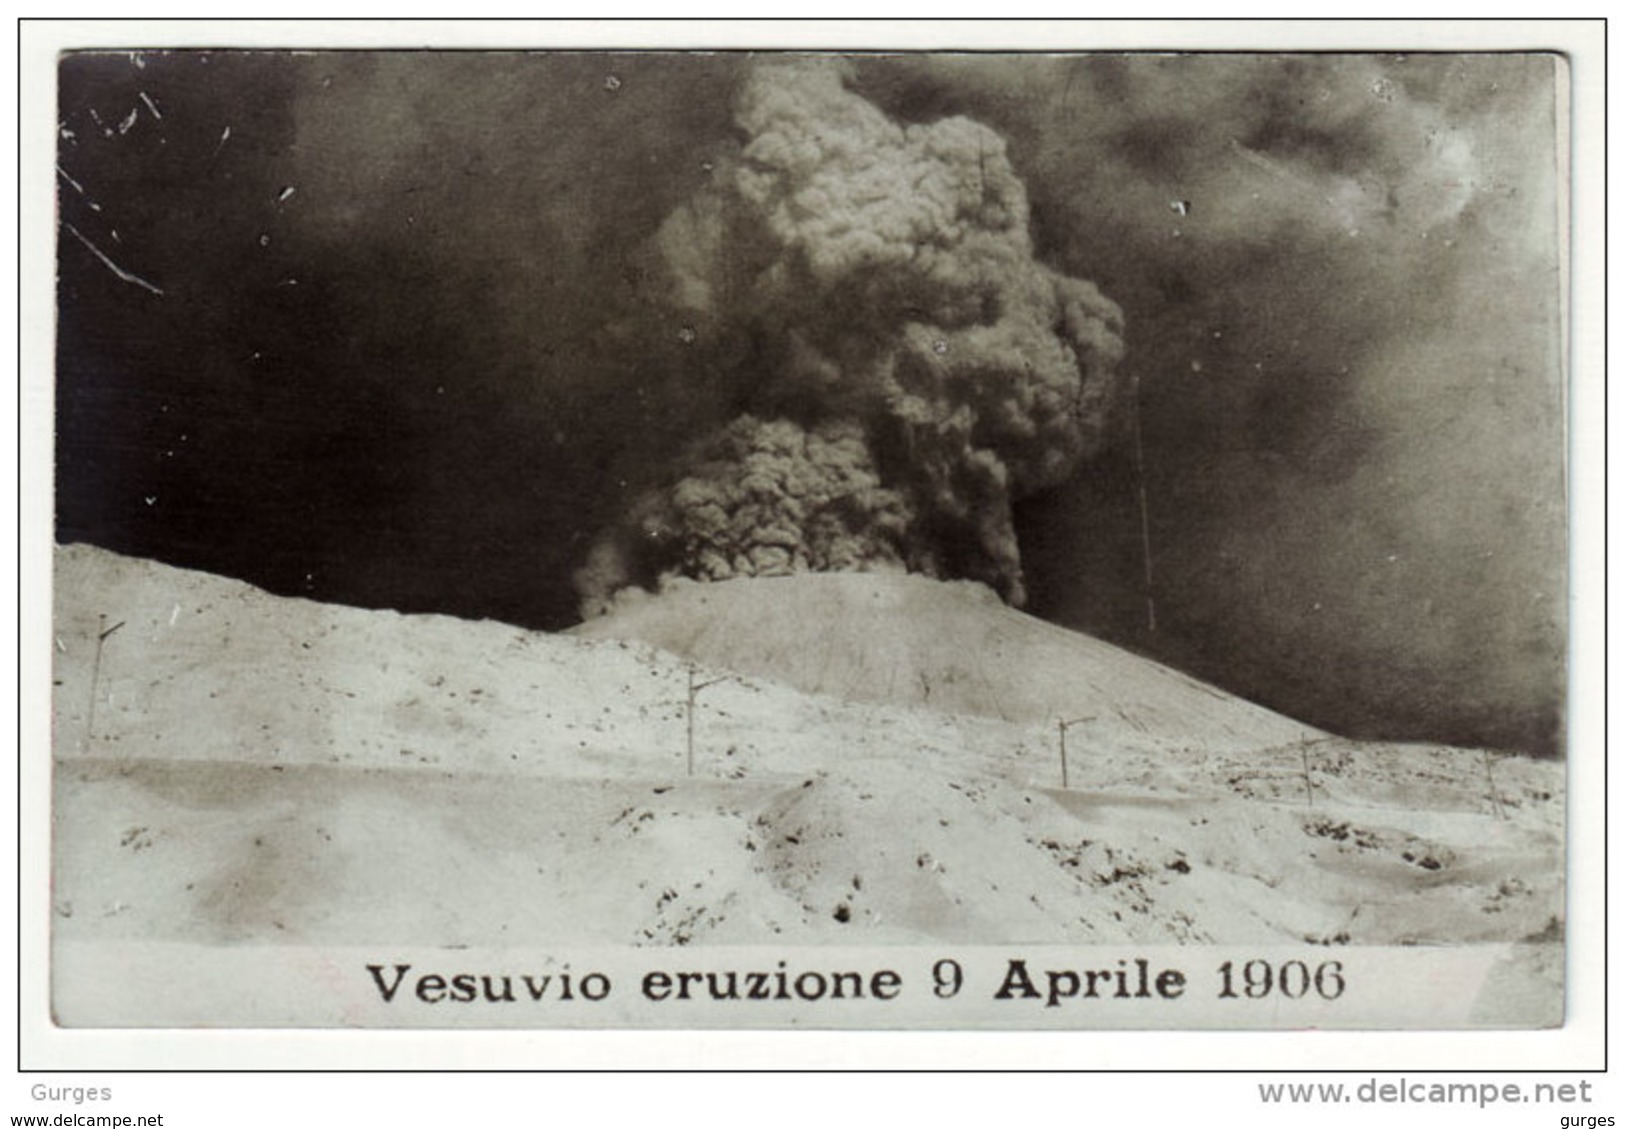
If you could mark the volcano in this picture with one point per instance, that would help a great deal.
(952, 647)
(820, 759)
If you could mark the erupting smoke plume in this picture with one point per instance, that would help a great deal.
(902, 367)
(708, 314)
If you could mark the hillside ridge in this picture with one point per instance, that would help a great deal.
(235, 767)
(909, 641)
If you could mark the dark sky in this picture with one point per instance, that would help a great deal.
(381, 330)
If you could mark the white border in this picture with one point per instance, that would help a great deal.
(1576, 1047)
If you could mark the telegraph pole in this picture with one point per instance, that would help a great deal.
(1145, 513)
(694, 689)
(1061, 727)
(1495, 796)
(1308, 780)
(103, 632)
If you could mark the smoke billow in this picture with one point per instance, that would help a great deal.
(903, 369)
(701, 314)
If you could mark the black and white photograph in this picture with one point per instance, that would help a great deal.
(793, 538)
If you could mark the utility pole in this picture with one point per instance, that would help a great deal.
(102, 634)
(1145, 514)
(1495, 796)
(694, 689)
(1061, 727)
(1308, 780)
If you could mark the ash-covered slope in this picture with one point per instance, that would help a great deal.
(910, 641)
(233, 767)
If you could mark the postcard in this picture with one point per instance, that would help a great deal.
(805, 539)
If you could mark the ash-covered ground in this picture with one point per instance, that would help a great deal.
(875, 759)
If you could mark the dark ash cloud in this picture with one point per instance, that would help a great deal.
(911, 369)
